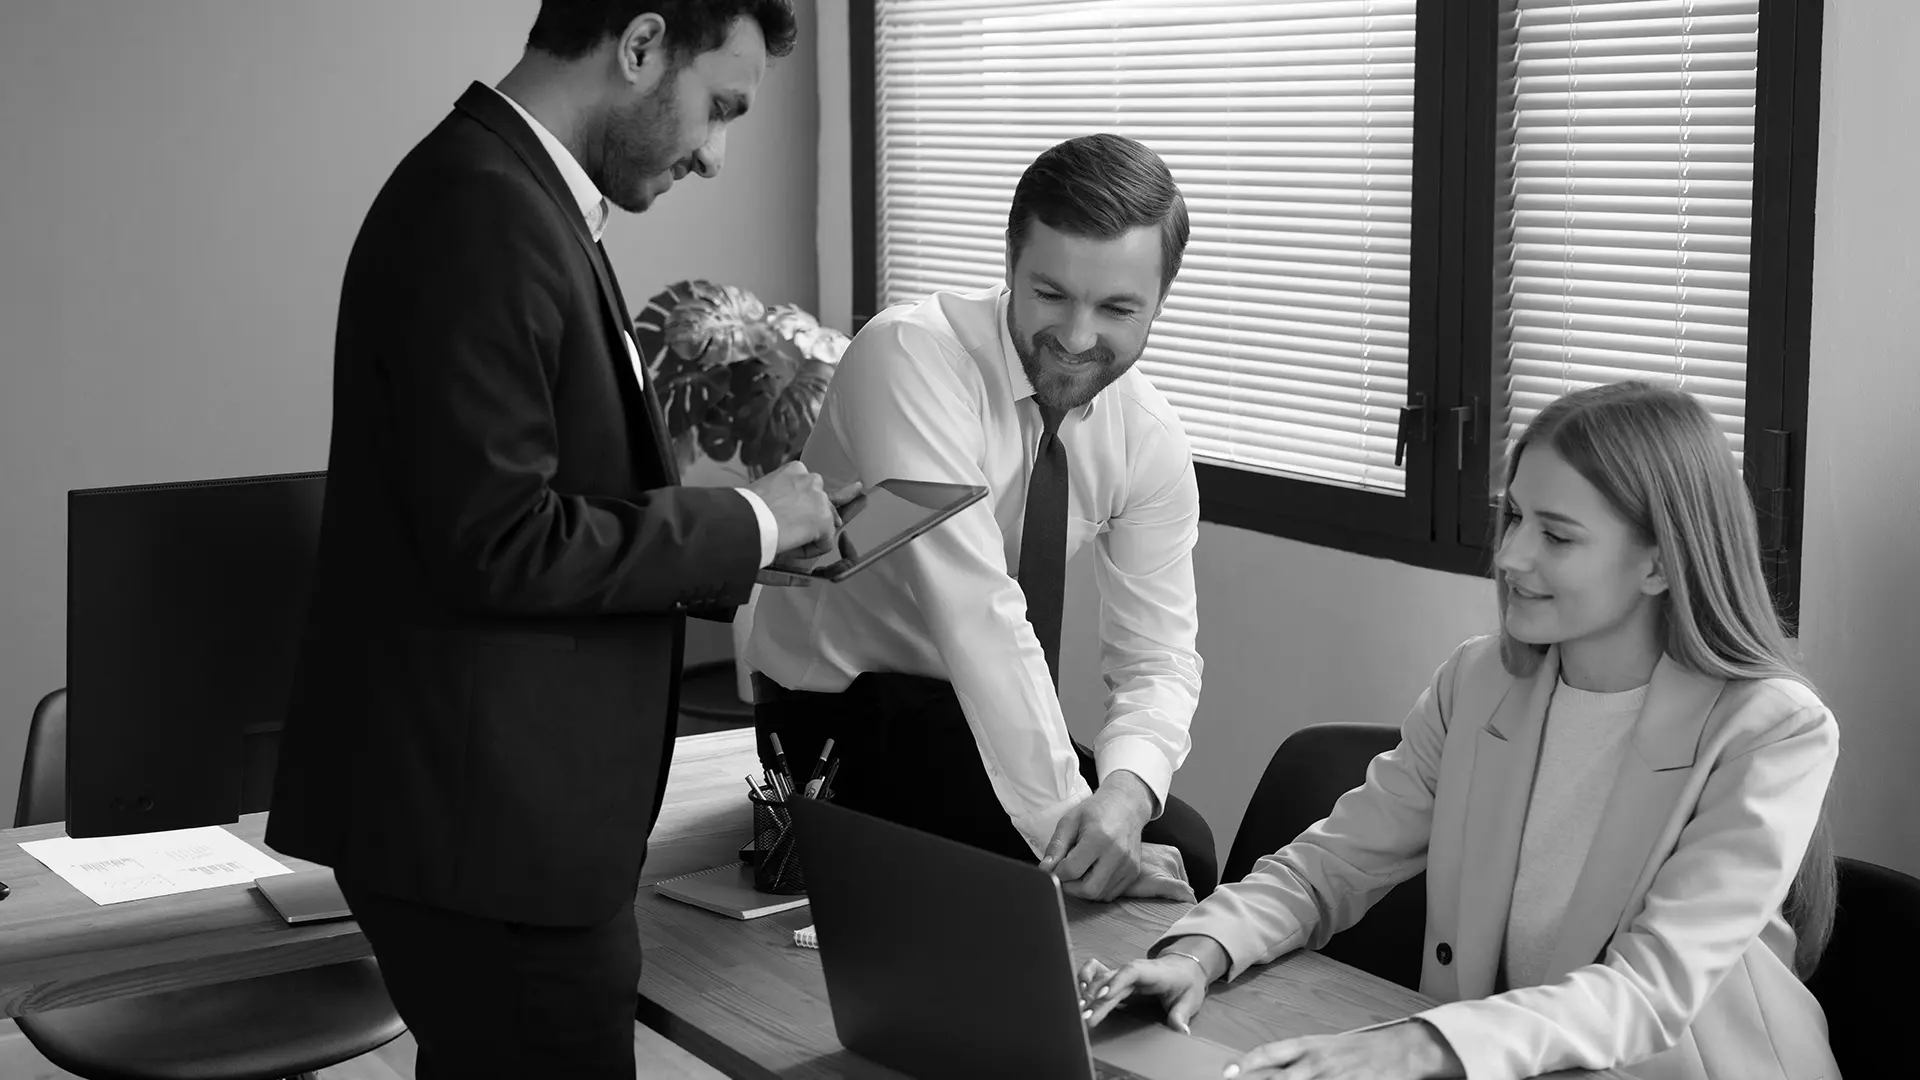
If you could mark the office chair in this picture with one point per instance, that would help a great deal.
(1865, 981)
(1312, 769)
(288, 1025)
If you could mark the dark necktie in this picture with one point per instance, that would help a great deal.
(1043, 539)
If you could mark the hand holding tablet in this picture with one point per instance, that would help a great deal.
(874, 522)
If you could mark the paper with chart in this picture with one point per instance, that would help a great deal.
(112, 869)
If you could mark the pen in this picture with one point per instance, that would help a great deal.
(780, 759)
(757, 790)
(833, 770)
(815, 781)
(773, 785)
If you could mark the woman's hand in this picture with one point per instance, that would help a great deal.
(1178, 981)
(1410, 1051)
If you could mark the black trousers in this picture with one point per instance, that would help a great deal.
(907, 756)
(495, 999)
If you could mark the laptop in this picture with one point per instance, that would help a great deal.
(875, 523)
(945, 962)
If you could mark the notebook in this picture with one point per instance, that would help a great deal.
(729, 891)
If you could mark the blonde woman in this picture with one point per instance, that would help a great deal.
(1617, 800)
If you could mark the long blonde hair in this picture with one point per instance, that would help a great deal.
(1656, 456)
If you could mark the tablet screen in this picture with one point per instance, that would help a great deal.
(889, 514)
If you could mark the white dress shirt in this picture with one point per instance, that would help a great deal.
(934, 391)
(595, 209)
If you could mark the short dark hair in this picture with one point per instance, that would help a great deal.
(1101, 186)
(570, 29)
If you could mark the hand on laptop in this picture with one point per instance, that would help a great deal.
(1178, 977)
(1095, 850)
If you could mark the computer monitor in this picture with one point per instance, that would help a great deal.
(185, 605)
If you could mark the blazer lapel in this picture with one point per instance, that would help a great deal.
(485, 105)
(1506, 752)
(1653, 774)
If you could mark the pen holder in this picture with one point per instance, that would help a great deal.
(776, 864)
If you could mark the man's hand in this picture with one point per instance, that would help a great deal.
(1095, 850)
(800, 506)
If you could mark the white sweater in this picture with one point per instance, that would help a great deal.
(1580, 750)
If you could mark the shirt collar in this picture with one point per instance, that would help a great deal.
(593, 205)
(1017, 375)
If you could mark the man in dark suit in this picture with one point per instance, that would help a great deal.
(484, 706)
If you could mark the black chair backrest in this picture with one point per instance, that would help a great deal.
(1312, 769)
(1866, 981)
(43, 775)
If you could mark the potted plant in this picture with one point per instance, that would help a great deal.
(741, 385)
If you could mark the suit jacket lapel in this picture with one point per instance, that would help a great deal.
(656, 417)
(1506, 751)
(1653, 774)
(486, 106)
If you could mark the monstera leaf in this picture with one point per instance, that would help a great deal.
(735, 378)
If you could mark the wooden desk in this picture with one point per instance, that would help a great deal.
(740, 995)
(58, 948)
(743, 997)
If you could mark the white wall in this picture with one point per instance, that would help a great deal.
(179, 185)
(1860, 595)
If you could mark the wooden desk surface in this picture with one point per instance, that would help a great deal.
(59, 948)
(742, 996)
(739, 994)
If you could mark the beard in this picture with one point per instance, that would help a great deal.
(1057, 385)
(636, 148)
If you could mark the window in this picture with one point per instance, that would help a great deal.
(1290, 126)
(1414, 223)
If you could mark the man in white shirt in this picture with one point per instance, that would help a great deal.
(935, 670)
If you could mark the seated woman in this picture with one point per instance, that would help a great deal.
(1618, 800)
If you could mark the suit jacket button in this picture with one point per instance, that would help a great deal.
(1443, 952)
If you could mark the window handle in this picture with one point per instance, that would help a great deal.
(1415, 426)
(1463, 432)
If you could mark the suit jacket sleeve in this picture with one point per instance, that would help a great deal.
(1327, 878)
(470, 369)
(1708, 902)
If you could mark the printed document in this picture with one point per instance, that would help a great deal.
(112, 869)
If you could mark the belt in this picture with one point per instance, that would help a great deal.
(766, 690)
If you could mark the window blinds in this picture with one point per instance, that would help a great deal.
(1624, 178)
(1289, 127)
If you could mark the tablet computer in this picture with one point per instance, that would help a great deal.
(883, 517)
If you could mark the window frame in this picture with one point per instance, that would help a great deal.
(1444, 519)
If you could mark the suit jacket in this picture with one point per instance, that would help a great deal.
(484, 701)
(1673, 956)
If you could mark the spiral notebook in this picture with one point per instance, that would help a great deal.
(728, 890)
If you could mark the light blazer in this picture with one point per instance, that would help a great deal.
(1673, 955)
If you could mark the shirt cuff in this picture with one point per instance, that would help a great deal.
(769, 528)
(1037, 826)
(1141, 758)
